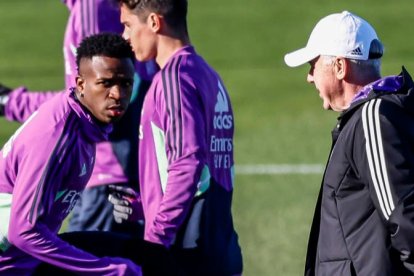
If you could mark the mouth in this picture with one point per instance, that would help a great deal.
(116, 110)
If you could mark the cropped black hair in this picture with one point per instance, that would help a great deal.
(104, 44)
(174, 11)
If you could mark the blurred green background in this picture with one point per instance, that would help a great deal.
(279, 117)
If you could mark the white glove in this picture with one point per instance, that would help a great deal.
(127, 204)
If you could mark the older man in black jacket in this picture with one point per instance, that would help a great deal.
(364, 218)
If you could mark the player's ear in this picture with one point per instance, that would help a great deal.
(341, 68)
(80, 84)
(154, 21)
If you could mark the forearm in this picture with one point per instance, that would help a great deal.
(22, 103)
(45, 246)
(181, 188)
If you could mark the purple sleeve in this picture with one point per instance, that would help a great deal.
(33, 223)
(22, 103)
(185, 146)
(69, 3)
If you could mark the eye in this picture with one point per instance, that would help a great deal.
(105, 83)
(127, 83)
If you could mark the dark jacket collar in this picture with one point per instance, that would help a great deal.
(400, 84)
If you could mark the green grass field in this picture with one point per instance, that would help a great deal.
(279, 117)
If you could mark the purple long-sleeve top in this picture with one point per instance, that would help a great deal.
(43, 169)
(186, 138)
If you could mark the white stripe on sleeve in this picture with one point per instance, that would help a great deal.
(375, 155)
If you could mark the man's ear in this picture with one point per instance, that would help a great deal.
(341, 68)
(154, 21)
(80, 84)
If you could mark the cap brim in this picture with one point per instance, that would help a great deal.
(300, 57)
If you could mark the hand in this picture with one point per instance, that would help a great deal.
(125, 266)
(4, 97)
(127, 204)
(4, 90)
(407, 260)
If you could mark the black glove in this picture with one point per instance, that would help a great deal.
(4, 96)
(407, 259)
(4, 90)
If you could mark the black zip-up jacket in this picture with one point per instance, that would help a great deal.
(364, 218)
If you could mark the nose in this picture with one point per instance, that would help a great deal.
(118, 92)
(125, 34)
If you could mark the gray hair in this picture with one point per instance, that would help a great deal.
(376, 50)
(371, 65)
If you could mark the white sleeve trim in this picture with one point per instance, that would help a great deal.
(375, 156)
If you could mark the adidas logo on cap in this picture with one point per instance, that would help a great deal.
(357, 51)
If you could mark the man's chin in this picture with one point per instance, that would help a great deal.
(112, 117)
(111, 120)
(105, 120)
(326, 106)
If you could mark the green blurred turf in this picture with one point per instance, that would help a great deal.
(279, 117)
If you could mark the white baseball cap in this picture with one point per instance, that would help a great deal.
(339, 34)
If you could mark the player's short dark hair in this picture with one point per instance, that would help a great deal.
(104, 44)
(174, 11)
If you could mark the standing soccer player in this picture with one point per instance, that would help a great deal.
(46, 164)
(186, 144)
